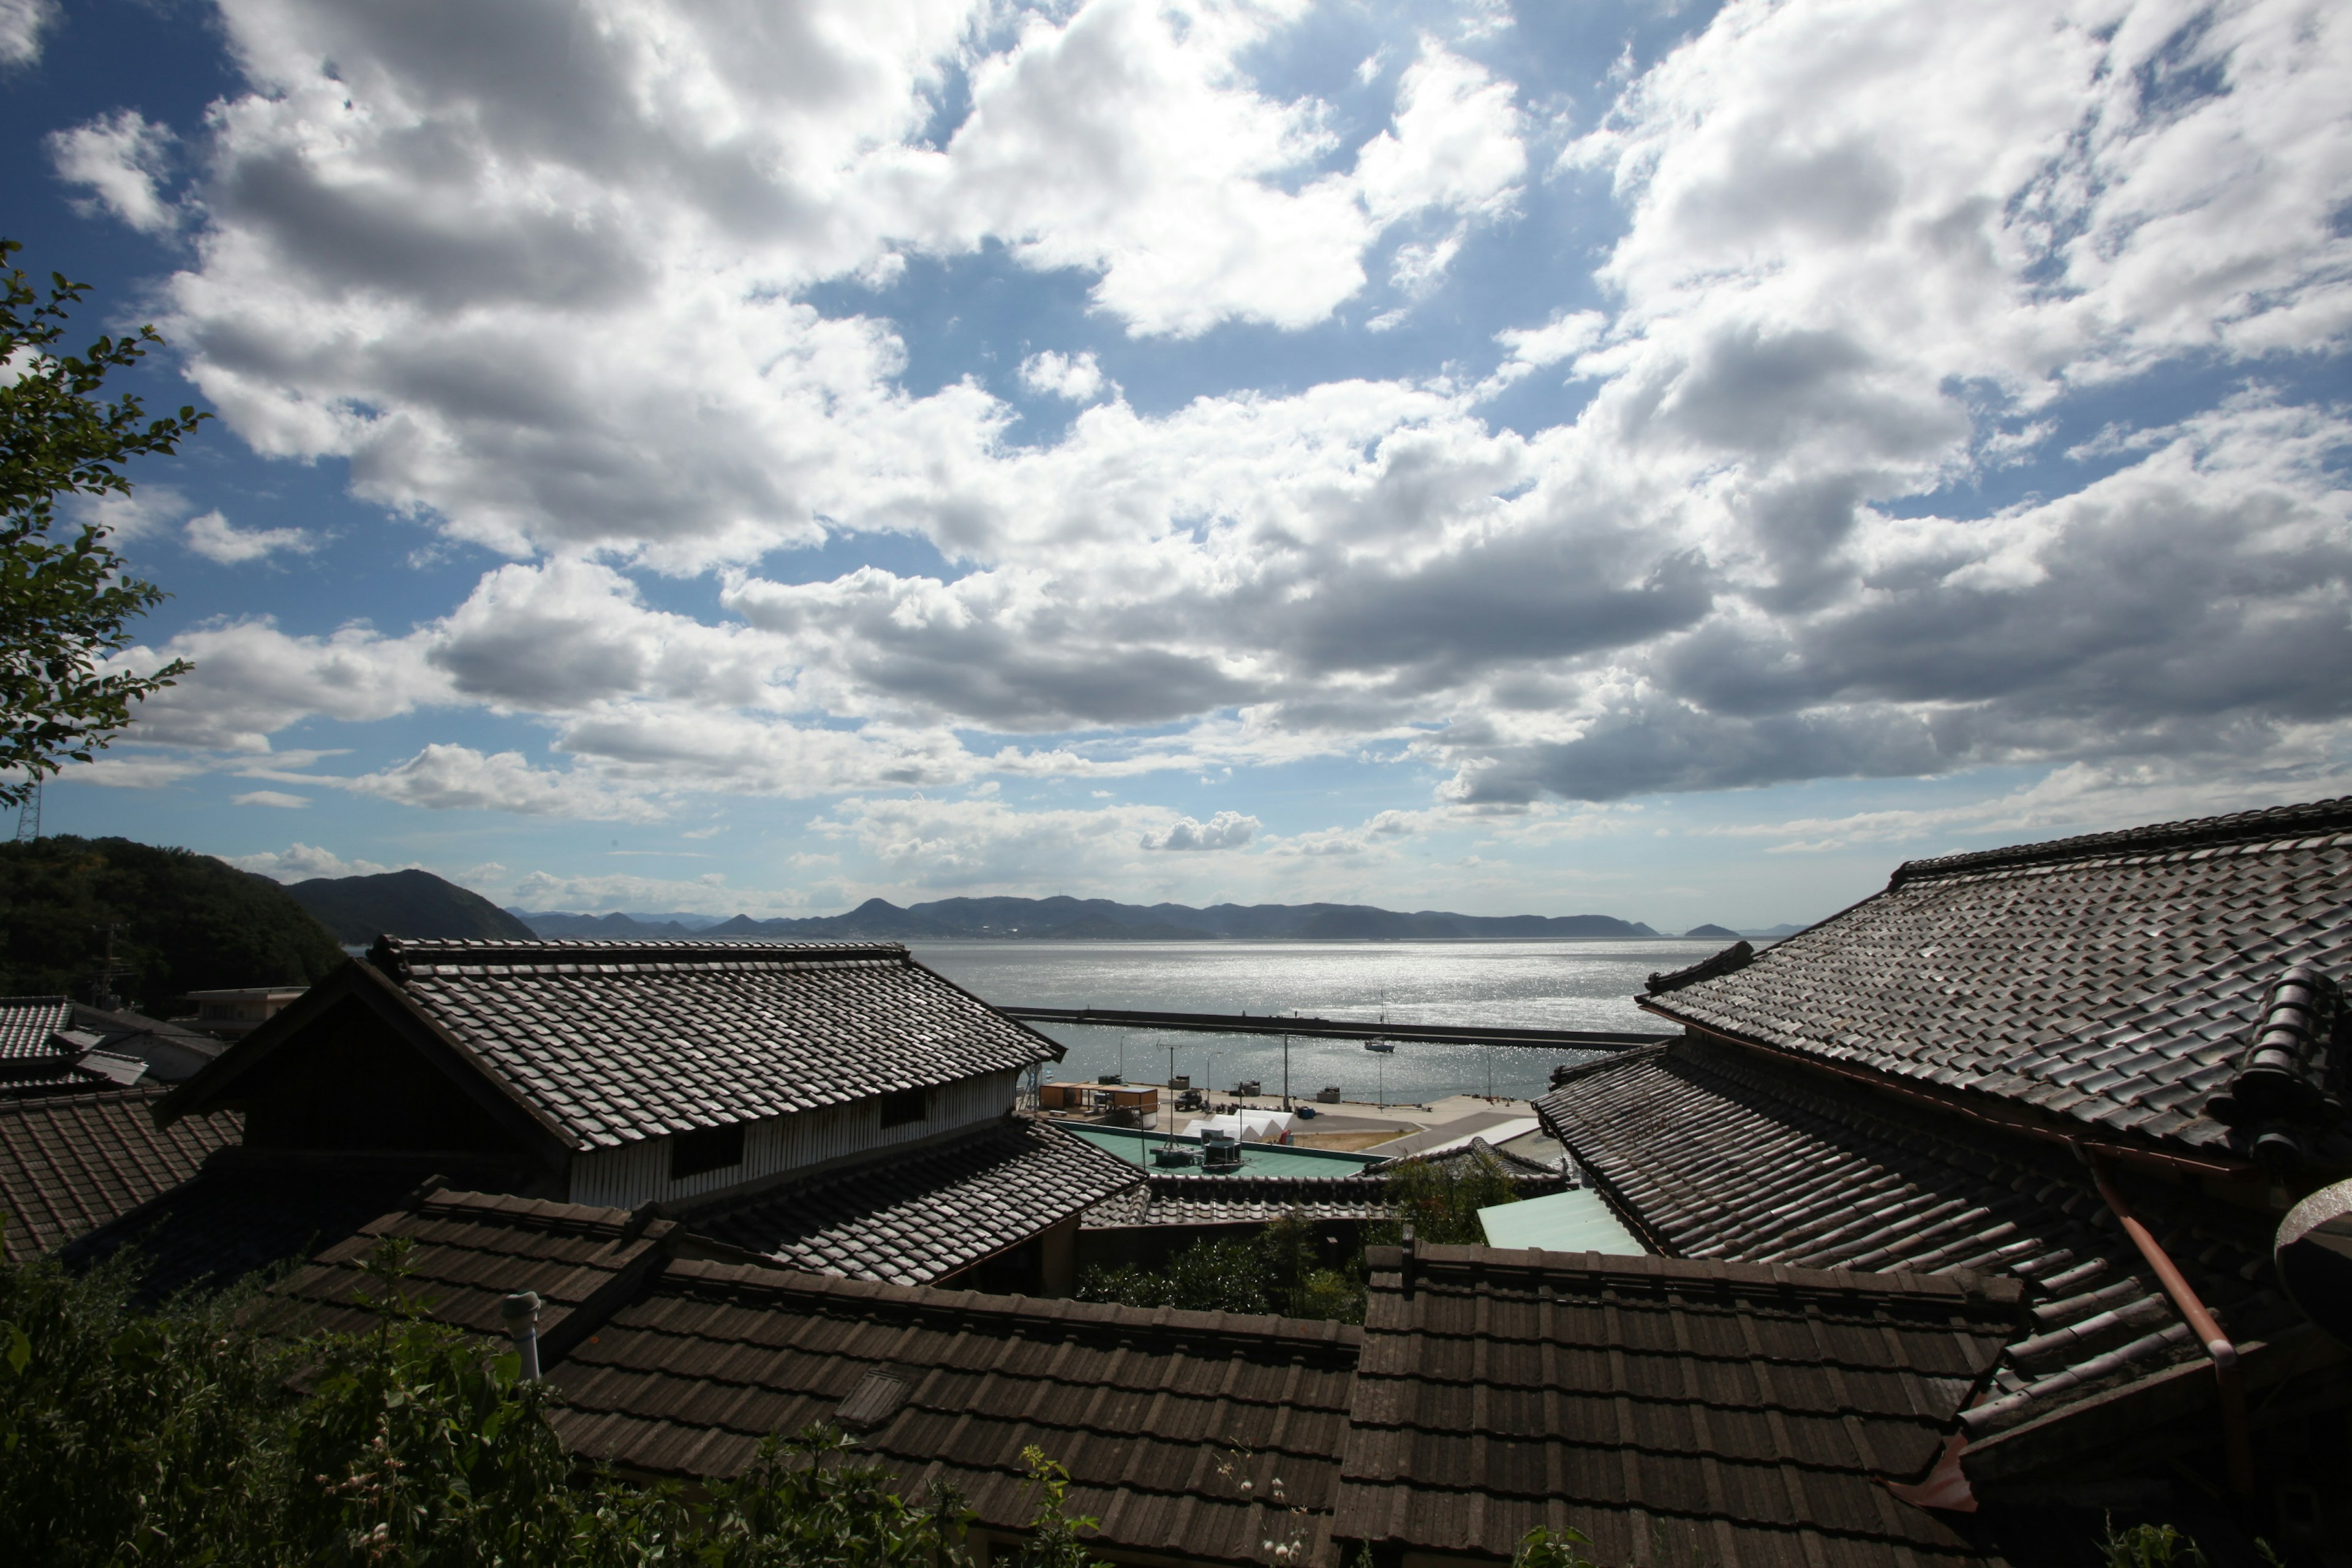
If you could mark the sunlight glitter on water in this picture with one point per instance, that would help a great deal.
(1507, 984)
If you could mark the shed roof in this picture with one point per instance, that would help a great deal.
(1716, 1151)
(914, 1218)
(468, 1251)
(1677, 1412)
(2112, 979)
(1161, 1416)
(69, 1163)
(1173, 1200)
(607, 1043)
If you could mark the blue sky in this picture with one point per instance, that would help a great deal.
(1666, 461)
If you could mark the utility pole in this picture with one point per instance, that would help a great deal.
(1286, 1072)
(29, 817)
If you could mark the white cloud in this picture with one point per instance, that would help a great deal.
(1075, 376)
(1566, 335)
(301, 862)
(1860, 265)
(215, 538)
(459, 778)
(1226, 830)
(21, 25)
(278, 798)
(142, 512)
(120, 158)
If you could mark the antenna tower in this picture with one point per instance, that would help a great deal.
(28, 816)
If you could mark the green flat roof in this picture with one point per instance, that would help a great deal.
(1258, 1159)
(1574, 1221)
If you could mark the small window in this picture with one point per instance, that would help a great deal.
(906, 1105)
(704, 1148)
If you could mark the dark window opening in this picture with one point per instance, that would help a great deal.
(704, 1148)
(906, 1105)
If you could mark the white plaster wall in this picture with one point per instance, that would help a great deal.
(639, 1172)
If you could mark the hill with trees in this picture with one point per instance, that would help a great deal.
(180, 922)
(358, 910)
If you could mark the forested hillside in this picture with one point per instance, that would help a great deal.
(180, 921)
(405, 903)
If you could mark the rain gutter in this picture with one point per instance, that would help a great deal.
(2229, 1375)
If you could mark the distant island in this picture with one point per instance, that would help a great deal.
(417, 903)
(1096, 920)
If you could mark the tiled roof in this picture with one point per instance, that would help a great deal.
(1718, 1152)
(613, 1042)
(27, 1023)
(1677, 1414)
(69, 1163)
(1164, 1200)
(2112, 979)
(231, 1219)
(1240, 1200)
(470, 1250)
(1160, 1415)
(912, 1219)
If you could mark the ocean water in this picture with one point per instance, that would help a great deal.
(1513, 984)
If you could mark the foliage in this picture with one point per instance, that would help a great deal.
(1441, 1200)
(1281, 1269)
(182, 923)
(128, 1437)
(64, 606)
(1542, 1548)
(2149, 1546)
(189, 1435)
(1285, 1270)
(1054, 1531)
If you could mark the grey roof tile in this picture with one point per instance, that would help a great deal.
(1667, 1408)
(1718, 1152)
(2085, 976)
(616, 1042)
(922, 1215)
(69, 1163)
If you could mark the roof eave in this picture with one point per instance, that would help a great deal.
(363, 982)
(2007, 1115)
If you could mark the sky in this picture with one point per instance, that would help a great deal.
(1668, 461)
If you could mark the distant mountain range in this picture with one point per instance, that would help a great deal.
(405, 903)
(1095, 919)
(418, 903)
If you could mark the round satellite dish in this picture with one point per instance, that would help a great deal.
(2314, 1257)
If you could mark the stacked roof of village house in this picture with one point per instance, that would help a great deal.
(1672, 1412)
(71, 1162)
(1914, 1084)
(836, 1106)
(1681, 1413)
(54, 1045)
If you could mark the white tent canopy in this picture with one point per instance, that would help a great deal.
(1247, 1126)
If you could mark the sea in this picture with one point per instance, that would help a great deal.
(1504, 985)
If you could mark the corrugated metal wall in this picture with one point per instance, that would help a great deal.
(637, 1173)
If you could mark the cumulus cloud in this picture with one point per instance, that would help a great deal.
(1226, 830)
(1075, 376)
(215, 538)
(299, 862)
(1860, 269)
(22, 22)
(120, 158)
(459, 778)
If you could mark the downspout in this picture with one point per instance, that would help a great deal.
(2237, 1440)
